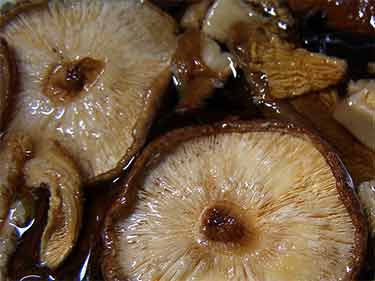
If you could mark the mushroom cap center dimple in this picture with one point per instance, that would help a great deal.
(223, 223)
(69, 79)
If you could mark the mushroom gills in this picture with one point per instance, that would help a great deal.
(92, 75)
(52, 169)
(234, 204)
(14, 151)
(288, 71)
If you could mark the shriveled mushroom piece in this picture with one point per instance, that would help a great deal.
(357, 112)
(199, 66)
(224, 14)
(243, 201)
(51, 168)
(14, 150)
(92, 74)
(318, 109)
(195, 13)
(366, 192)
(7, 80)
(290, 71)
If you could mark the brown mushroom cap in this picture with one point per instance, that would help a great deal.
(260, 201)
(91, 76)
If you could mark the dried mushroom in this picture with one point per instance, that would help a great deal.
(315, 110)
(357, 112)
(194, 14)
(225, 14)
(366, 192)
(92, 74)
(200, 66)
(7, 81)
(52, 169)
(290, 71)
(244, 201)
(11, 8)
(14, 150)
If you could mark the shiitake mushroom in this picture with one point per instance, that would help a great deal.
(235, 201)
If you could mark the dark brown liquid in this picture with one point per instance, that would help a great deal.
(234, 101)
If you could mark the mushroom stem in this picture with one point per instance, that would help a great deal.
(222, 223)
(71, 78)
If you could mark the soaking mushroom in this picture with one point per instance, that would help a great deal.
(51, 168)
(199, 66)
(357, 112)
(366, 192)
(290, 71)
(316, 110)
(14, 150)
(235, 201)
(92, 74)
(224, 14)
(195, 13)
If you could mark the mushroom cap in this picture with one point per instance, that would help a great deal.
(259, 201)
(91, 76)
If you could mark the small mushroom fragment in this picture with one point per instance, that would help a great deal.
(235, 201)
(92, 74)
(194, 14)
(7, 81)
(357, 112)
(14, 150)
(224, 14)
(51, 168)
(289, 71)
(319, 113)
(199, 67)
(366, 192)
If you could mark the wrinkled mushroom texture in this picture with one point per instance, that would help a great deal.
(91, 76)
(13, 153)
(237, 206)
(290, 71)
(52, 169)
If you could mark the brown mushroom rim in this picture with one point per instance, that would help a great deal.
(233, 231)
(70, 79)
